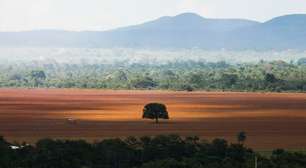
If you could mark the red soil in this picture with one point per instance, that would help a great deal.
(271, 120)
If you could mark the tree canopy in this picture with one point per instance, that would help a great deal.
(162, 151)
(275, 76)
(241, 137)
(155, 111)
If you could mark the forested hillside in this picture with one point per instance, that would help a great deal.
(187, 30)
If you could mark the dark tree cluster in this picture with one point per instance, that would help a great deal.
(164, 151)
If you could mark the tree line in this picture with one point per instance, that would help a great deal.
(276, 76)
(163, 151)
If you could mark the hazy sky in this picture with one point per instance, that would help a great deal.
(106, 14)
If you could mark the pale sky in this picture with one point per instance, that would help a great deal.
(16, 15)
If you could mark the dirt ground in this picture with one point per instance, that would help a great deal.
(271, 120)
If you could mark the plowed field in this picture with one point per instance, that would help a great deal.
(271, 120)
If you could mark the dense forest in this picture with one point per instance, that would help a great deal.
(164, 151)
(189, 75)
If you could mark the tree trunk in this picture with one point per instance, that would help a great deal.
(156, 120)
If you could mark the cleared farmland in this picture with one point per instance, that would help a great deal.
(271, 120)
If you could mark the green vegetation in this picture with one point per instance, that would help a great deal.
(155, 111)
(276, 76)
(164, 151)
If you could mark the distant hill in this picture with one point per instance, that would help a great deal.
(285, 32)
(186, 30)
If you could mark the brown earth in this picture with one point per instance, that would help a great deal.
(271, 120)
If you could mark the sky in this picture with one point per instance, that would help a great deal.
(18, 15)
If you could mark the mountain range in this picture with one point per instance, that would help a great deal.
(187, 30)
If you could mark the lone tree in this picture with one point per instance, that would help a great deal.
(241, 137)
(155, 111)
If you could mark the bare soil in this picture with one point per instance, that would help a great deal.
(271, 120)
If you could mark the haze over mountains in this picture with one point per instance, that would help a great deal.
(186, 30)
